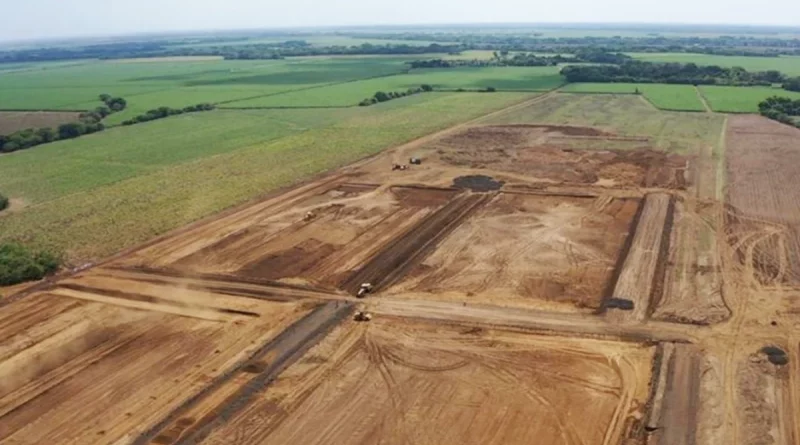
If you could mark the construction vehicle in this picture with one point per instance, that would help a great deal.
(399, 167)
(364, 290)
(415, 161)
(362, 316)
(308, 216)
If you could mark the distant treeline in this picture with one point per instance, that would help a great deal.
(504, 58)
(383, 96)
(757, 46)
(162, 112)
(88, 123)
(289, 48)
(674, 73)
(781, 109)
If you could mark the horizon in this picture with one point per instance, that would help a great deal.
(37, 20)
(629, 26)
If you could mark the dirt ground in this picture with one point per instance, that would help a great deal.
(391, 381)
(527, 284)
(12, 121)
(522, 249)
(764, 214)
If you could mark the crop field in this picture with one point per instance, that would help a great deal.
(664, 97)
(350, 94)
(555, 269)
(11, 121)
(741, 99)
(164, 174)
(625, 115)
(178, 83)
(789, 65)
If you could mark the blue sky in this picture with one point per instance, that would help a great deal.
(31, 19)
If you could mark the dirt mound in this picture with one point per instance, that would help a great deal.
(477, 183)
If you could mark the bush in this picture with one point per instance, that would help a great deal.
(3, 202)
(19, 264)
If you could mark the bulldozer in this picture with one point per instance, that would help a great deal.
(415, 161)
(364, 290)
(309, 216)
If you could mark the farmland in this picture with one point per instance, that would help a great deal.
(665, 97)
(159, 179)
(789, 65)
(349, 94)
(556, 229)
(11, 121)
(741, 99)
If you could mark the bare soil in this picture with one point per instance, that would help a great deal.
(13, 121)
(400, 383)
(487, 305)
(764, 213)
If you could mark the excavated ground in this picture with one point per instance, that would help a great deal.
(501, 269)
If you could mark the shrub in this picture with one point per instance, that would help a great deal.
(3, 202)
(19, 264)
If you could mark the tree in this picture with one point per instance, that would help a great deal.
(46, 135)
(380, 96)
(105, 97)
(427, 88)
(3, 202)
(19, 264)
(792, 84)
(71, 130)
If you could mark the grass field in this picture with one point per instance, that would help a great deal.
(789, 65)
(98, 194)
(665, 97)
(349, 94)
(741, 99)
(625, 115)
(150, 85)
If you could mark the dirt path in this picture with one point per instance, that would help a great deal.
(703, 100)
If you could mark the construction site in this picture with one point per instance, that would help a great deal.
(489, 284)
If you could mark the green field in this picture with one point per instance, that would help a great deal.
(349, 94)
(665, 97)
(98, 194)
(789, 65)
(296, 82)
(741, 99)
(176, 84)
(624, 115)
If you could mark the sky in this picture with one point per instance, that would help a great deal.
(44, 19)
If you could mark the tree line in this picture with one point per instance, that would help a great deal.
(674, 73)
(781, 109)
(383, 96)
(88, 122)
(278, 50)
(505, 58)
(726, 45)
(162, 112)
